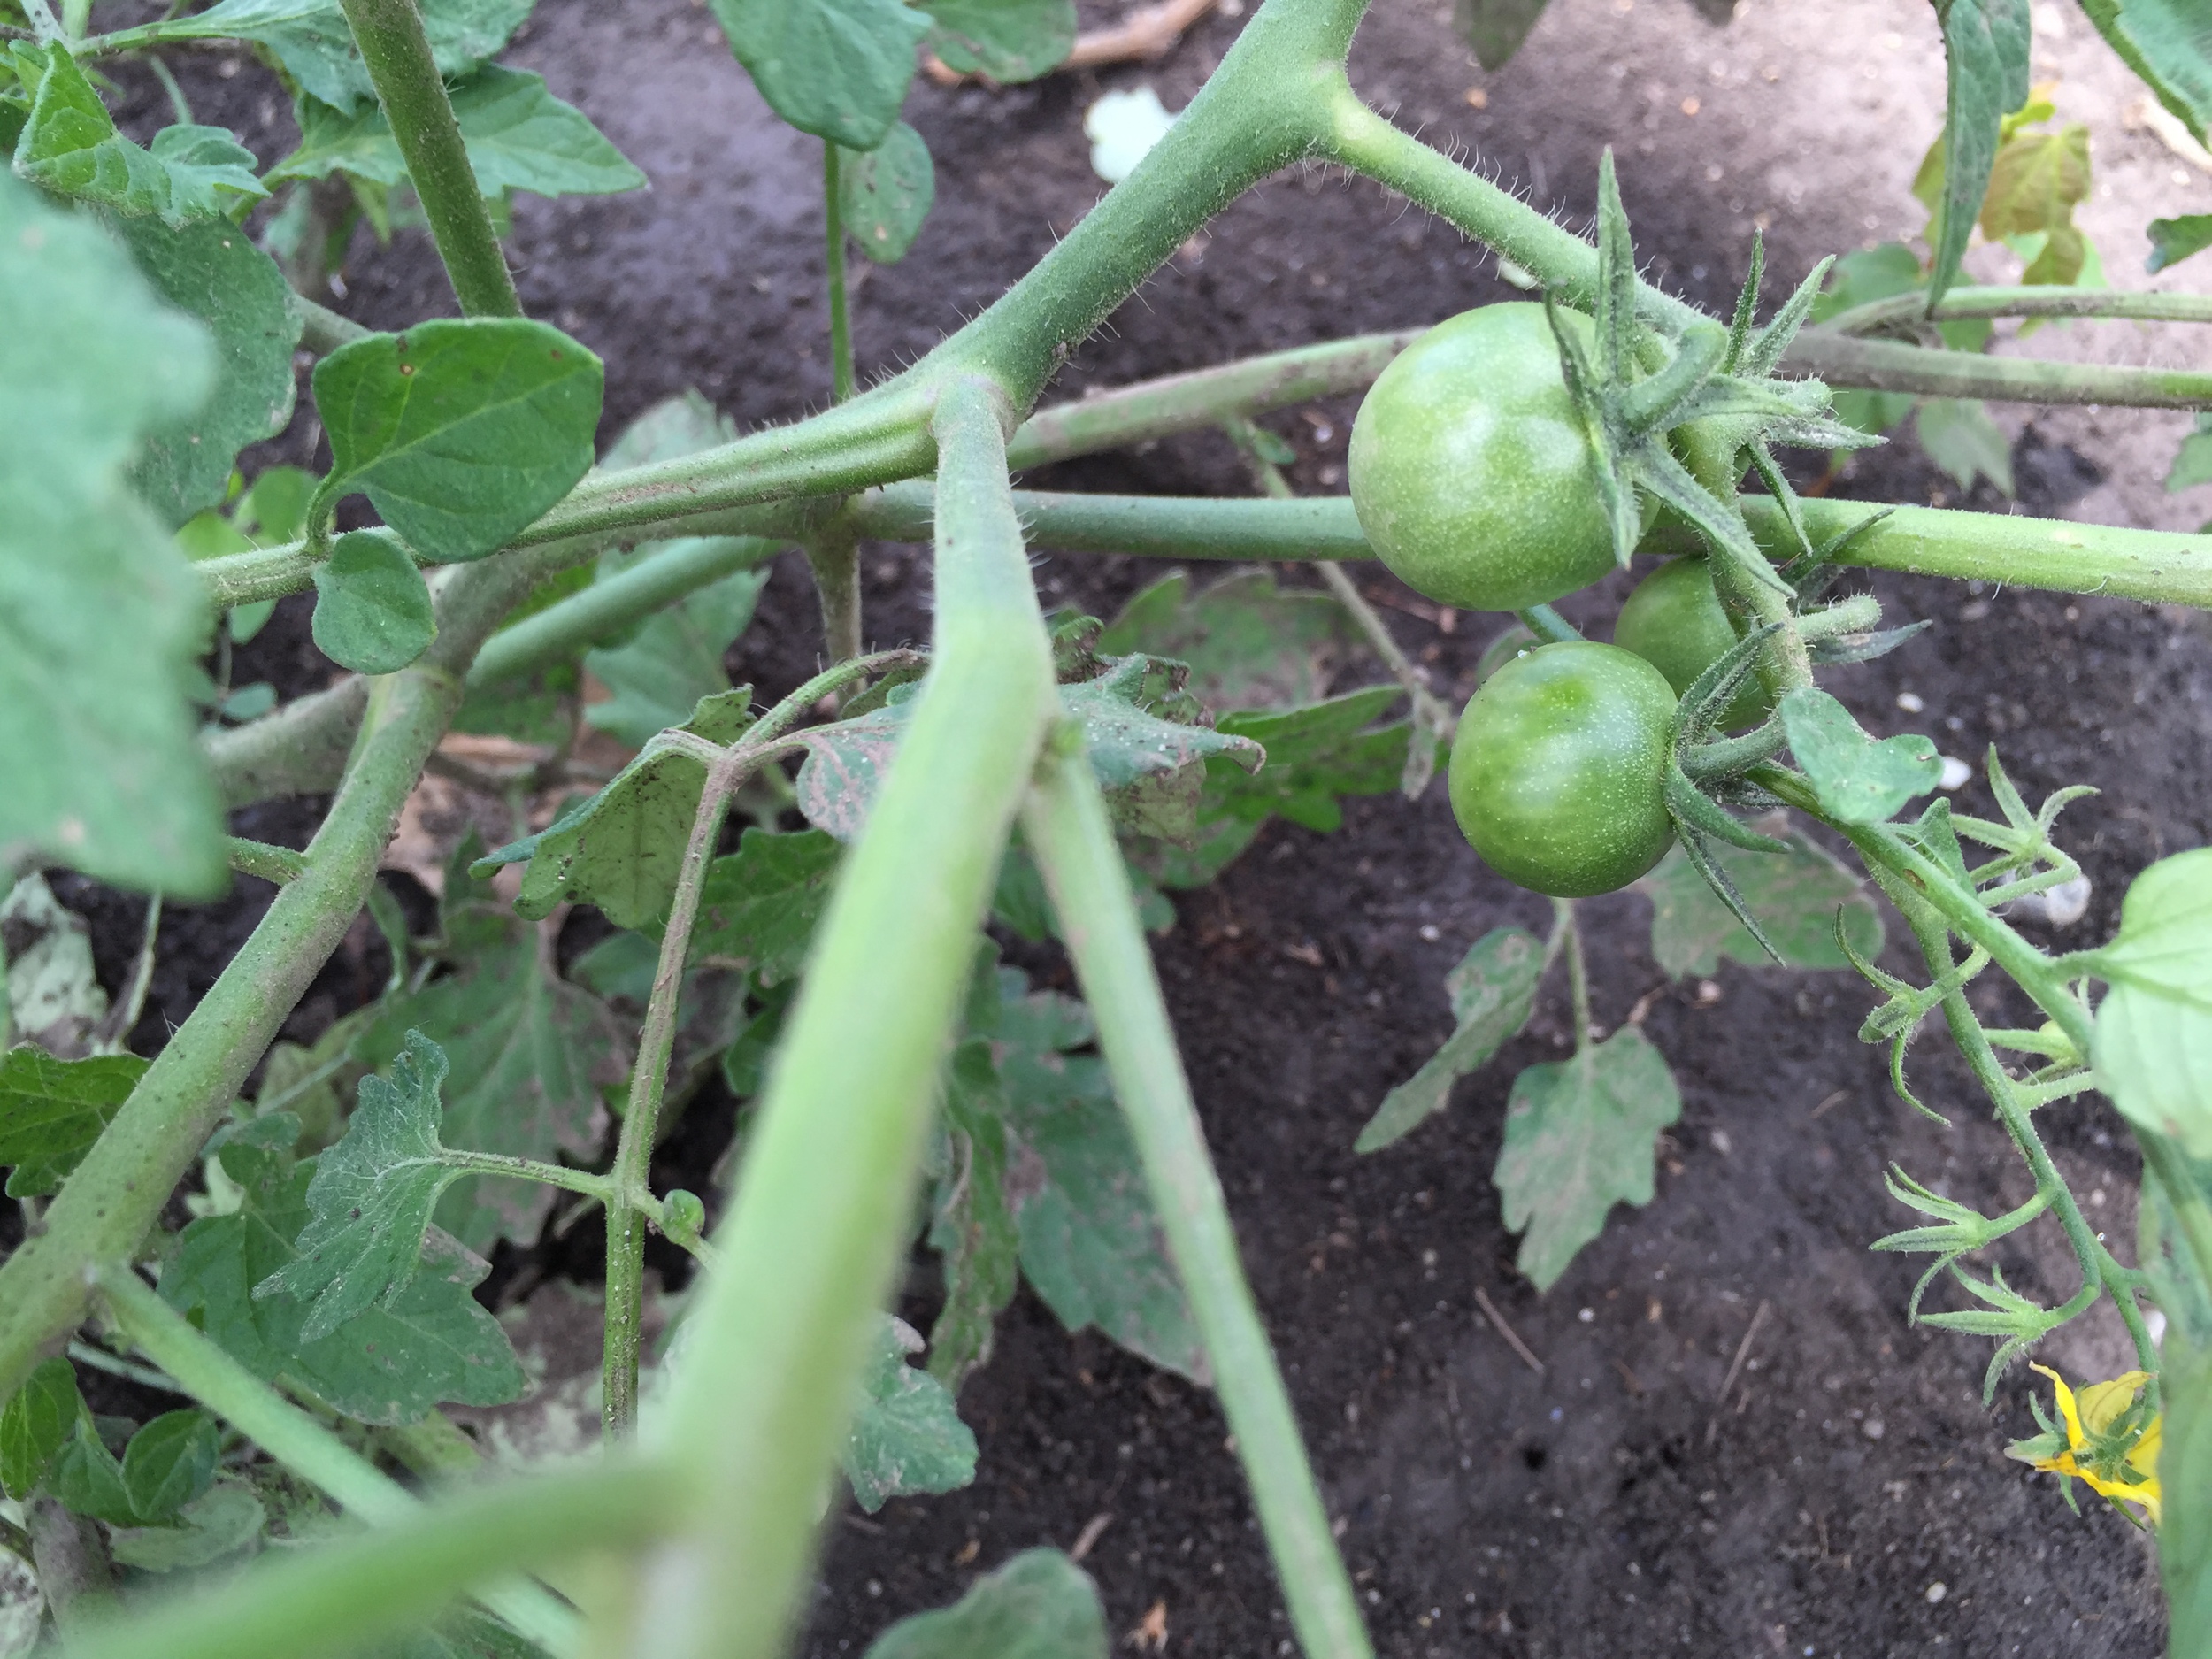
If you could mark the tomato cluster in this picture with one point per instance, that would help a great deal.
(1476, 483)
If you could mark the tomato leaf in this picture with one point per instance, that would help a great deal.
(1006, 40)
(2193, 462)
(760, 903)
(169, 1464)
(370, 1203)
(2152, 1047)
(971, 1225)
(1039, 1605)
(1090, 1239)
(39, 1420)
(1250, 643)
(2167, 44)
(1859, 780)
(1960, 437)
(518, 134)
(222, 1522)
(1144, 739)
(838, 69)
(659, 674)
(311, 39)
(100, 619)
(2035, 184)
(1794, 897)
(213, 272)
(1493, 990)
(2174, 239)
(372, 610)
(1986, 55)
(86, 1480)
(461, 432)
(52, 1110)
(884, 194)
(623, 847)
(907, 1438)
(1579, 1137)
(1315, 755)
(1495, 29)
(1867, 275)
(70, 146)
(2184, 1475)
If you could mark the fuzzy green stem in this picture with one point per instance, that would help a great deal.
(1577, 971)
(819, 1221)
(273, 864)
(398, 1579)
(2041, 301)
(304, 1445)
(322, 331)
(1548, 625)
(1065, 825)
(839, 326)
(396, 54)
(834, 558)
(1891, 366)
(1149, 526)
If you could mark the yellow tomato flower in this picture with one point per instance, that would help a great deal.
(2110, 1442)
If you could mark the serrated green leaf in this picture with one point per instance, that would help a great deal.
(1985, 54)
(1858, 779)
(434, 1343)
(760, 903)
(1039, 1605)
(1578, 1139)
(1090, 1239)
(528, 1053)
(311, 39)
(169, 1464)
(69, 145)
(1008, 40)
(907, 1436)
(2151, 1046)
(100, 619)
(461, 432)
(2035, 184)
(38, 1421)
(1493, 990)
(372, 610)
(622, 848)
(2174, 239)
(213, 272)
(659, 674)
(1251, 644)
(52, 1110)
(884, 194)
(838, 69)
(2169, 45)
(370, 1203)
(1152, 769)
(223, 1522)
(518, 137)
(1495, 29)
(972, 1226)
(1960, 437)
(1794, 896)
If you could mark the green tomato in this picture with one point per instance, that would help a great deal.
(1470, 472)
(1674, 621)
(1559, 772)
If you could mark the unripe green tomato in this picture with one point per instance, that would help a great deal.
(1674, 621)
(1559, 771)
(1471, 474)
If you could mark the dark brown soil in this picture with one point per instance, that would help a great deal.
(1617, 1502)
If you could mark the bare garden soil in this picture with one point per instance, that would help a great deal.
(1846, 1495)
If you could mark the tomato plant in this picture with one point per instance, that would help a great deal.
(288, 1236)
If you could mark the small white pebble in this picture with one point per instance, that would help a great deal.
(1871, 1428)
(1430, 934)
(1911, 702)
(1586, 1314)
(1956, 774)
(1937, 1592)
(1708, 993)
(1720, 1142)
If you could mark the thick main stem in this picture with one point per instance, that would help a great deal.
(396, 53)
(1067, 829)
(820, 1217)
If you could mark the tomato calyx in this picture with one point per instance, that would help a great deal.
(1720, 378)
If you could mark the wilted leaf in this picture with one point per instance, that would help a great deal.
(461, 431)
(1794, 896)
(2038, 180)
(1151, 768)
(54, 995)
(52, 1110)
(1858, 779)
(907, 1436)
(1492, 989)
(1039, 1605)
(1578, 1136)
